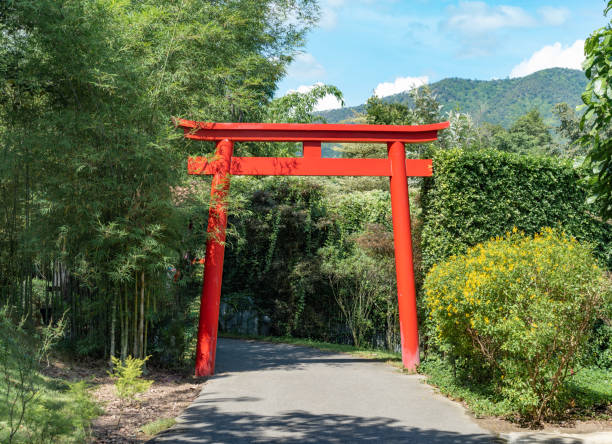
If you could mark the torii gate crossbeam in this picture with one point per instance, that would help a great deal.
(223, 165)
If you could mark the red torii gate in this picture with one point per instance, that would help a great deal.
(223, 164)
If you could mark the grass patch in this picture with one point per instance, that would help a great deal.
(381, 355)
(590, 390)
(482, 400)
(155, 427)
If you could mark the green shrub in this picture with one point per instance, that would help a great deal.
(516, 311)
(36, 409)
(127, 375)
(476, 195)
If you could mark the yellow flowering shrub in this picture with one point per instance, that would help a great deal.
(517, 309)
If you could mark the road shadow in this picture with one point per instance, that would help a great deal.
(238, 355)
(202, 423)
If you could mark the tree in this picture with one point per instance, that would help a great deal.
(88, 89)
(297, 107)
(597, 99)
(294, 107)
(569, 130)
(379, 112)
(529, 134)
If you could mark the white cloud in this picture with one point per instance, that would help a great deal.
(329, 18)
(327, 102)
(554, 16)
(329, 13)
(474, 18)
(400, 84)
(305, 67)
(552, 56)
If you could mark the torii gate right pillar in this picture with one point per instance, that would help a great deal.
(404, 267)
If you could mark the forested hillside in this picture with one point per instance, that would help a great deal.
(495, 101)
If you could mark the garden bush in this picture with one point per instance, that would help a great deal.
(516, 311)
(476, 195)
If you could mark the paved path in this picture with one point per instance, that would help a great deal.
(281, 393)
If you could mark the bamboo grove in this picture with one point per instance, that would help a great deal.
(90, 164)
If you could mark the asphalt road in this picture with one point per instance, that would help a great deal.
(281, 393)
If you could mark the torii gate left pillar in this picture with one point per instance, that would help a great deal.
(223, 165)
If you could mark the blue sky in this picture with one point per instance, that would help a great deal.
(385, 46)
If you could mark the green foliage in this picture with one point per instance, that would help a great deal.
(529, 134)
(597, 99)
(87, 91)
(275, 227)
(517, 311)
(157, 426)
(481, 398)
(127, 376)
(462, 132)
(422, 109)
(379, 112)
(284, 234)
(36, 409)
(499, 102)
(297, 107)
(359, 285)
(475, 195)
(569, 131)
(588, 390)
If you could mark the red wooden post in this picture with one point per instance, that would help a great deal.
(404, 269)
(213, 265)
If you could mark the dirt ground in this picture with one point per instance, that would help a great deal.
(169, 395)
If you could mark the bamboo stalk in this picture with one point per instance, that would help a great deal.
(124, 326)
(112, 332)
(141, 323)
(135, 323)
(146, 328)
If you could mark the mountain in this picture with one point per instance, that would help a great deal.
(494, 101)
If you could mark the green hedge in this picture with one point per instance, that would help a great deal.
(476, 195)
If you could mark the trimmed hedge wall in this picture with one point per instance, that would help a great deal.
(476, 195)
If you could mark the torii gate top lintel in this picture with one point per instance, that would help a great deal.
(223, 164)
(302, 132)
